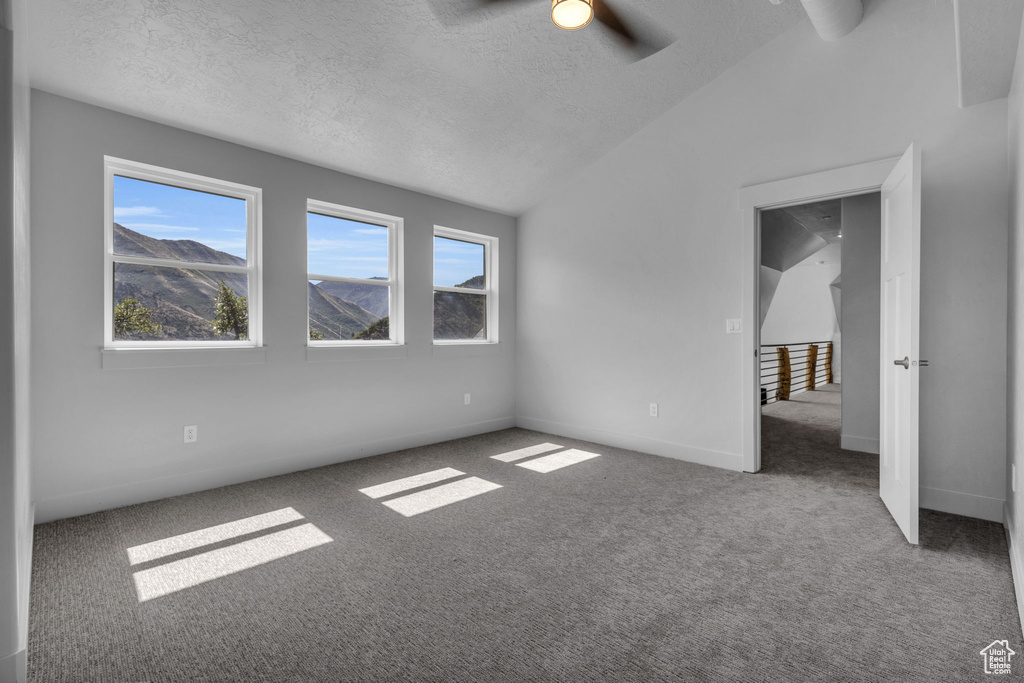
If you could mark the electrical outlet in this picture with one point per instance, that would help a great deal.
(468, 399)
(191, 433)
(654, 410)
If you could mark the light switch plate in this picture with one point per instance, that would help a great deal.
(733, 325)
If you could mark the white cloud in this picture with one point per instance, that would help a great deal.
(130, 211)
(454, 244)
(323, 244)
(226, 245)
(476, 263)
(151, 228)
(347, 259)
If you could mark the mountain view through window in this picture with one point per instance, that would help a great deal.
(349, 279)
(173, 228)
(461, 265)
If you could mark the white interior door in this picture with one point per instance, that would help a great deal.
(900, 343)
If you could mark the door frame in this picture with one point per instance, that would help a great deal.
(752, 199)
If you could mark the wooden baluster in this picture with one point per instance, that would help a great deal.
(828, 363)
(812, 363)
(782, 393)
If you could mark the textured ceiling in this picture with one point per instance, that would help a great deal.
(987, 32)
(824, 219)
(808, 234)
(488, 110)
(785, 242)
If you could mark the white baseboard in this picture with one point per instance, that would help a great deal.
(859, 443)
(85, 502)
(1016, 562)
(701, 456)
(966, 504)
(14, 668)
(25, 541)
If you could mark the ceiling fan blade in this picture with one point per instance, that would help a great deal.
(643, 42)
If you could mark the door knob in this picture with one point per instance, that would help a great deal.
(905, 362)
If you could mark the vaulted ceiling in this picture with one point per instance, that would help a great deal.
(793, 234)
(488, 107)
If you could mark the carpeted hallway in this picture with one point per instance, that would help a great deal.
(800, 437)
(554, 566)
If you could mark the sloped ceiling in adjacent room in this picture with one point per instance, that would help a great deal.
(785, 242)
(489, 110)
(791, 236)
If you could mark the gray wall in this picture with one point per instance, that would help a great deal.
(862, 242)
(1015, 332)
(769, 282)
(644, 250)
(106, 437)
(802, 309)
(15, 507)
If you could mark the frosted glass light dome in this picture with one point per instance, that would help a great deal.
(572, 14)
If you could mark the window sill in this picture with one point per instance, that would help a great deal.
(132, 359)
(321, 354)
(465, 348)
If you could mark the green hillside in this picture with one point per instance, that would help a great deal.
(373, 299)
(181, 300)
(461, 316)
(336, 318)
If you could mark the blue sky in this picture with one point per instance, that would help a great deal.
(456, 261)
(336, 246)
(352, 249)
(346, 248)
(174, 213)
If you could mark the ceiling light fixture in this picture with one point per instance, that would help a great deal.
(572, 15)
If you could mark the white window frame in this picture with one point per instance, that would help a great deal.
(253, 269)
(490, 290)
(396, 295)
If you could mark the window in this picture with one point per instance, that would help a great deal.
(465, 287)
(182, 259)
(354, 272)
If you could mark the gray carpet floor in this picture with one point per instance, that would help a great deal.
(623, 567)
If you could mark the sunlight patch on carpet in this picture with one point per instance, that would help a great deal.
(440, 496)
(412, 482)
(214, 534)
(192, 571)
(557, 461)
(521, 453)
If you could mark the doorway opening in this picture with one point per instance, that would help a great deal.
(899, 181)
(819, 326)
(843, 182)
